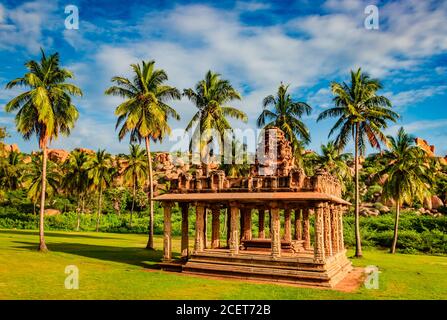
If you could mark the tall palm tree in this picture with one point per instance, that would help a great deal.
(100, 170)
(45, 110)
(283, 112)
(76, 180)
(211, 97)
(362, 115)
(135, 171)
(334, 161)
(144, 114)
(407, 176)
(33, 178)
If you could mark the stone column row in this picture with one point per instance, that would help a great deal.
(328, 231)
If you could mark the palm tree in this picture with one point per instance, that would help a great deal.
(236, 167)
(334, 162)
(11, 169)
(3, 134)
(45, 110)
(144, 114)
(33, 179)
(362, 115)
(211, 96)
(407, 175)
(100, 171)
(135, 171)
(76, 180)
(286, 114)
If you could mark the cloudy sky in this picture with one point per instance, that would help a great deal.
(255, 45)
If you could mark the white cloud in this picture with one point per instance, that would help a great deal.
(188, 40)
(404, 99)
(24, 25)
(418, 126)
(320, 100)
(251, 6)
(197, 38)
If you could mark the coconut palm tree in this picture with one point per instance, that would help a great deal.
(335, 162)
(144, 114)
(211, 97)
(406, 177)
(33, 179)
(76, 180)
(238, 165)
(283, 112)
(45, 109)
(100, 171)
(135, 171)
(362, 115)
(3, 134)
(11, 169)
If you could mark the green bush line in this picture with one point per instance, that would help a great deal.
(424, 234)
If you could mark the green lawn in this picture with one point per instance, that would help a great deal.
(116, 266)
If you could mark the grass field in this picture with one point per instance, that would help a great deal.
(116, 266)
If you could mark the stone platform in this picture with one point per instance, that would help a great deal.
(291, 269)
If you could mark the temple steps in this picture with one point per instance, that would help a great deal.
(310, 274)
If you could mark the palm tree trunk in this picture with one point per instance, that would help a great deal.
(396, 227)
(133, 202)
(78, 222)
(358, 242)
(99, 208)
(42, 245)
(150, 241)
(83, 205)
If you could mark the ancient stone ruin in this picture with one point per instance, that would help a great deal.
(276, 187)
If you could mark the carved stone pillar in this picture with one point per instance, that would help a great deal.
(270, 223)
(276, 231)
(234, 234)
(261, 220)
(319, 255)
(306, 228)
(334, 228)
(246, 227)
(228, 226)
(205, 225)
(241, 223)
(298, 225)
(215, 230)
(287, 225)
(185, 230)
(327, 230)
(200, 219)
(341, 245)
(167, 227)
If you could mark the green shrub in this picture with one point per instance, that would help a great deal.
(416, 233)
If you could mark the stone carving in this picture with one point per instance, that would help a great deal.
(274, 170)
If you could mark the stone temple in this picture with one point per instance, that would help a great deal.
(307, 250)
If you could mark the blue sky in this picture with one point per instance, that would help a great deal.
(255, 45)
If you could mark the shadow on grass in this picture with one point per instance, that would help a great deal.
(55, 234)
(134, 256)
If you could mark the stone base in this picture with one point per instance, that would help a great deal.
(301, 271)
